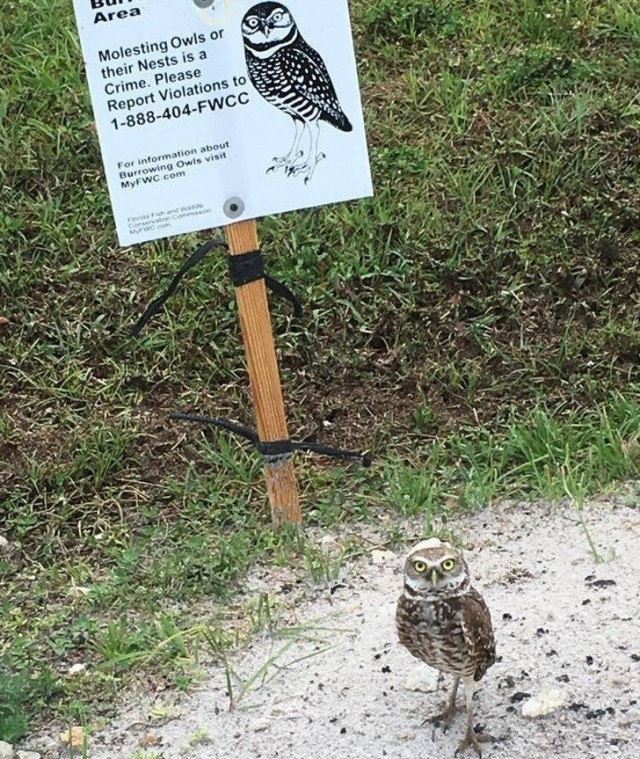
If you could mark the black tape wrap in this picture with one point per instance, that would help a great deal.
(276, 450)
(246, 267)
(243, 268)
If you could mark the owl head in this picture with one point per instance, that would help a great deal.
(267, 24)
(434, 568)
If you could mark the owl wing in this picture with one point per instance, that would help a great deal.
(478, 632)
(310, 79)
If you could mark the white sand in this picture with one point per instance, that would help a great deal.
(563, 622)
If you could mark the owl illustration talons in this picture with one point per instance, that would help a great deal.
(443, 621)
(307, 168)
(292, 76)
(285, 162)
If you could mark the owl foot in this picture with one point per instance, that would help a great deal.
(307, 168)
(473, 740)
(285, 162)
(444, 718)
(319, 158)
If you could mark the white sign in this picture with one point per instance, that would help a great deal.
(214, 111)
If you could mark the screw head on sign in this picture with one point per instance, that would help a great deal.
(203, 3)
(233, 208)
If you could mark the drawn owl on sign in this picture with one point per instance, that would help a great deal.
(292, 76)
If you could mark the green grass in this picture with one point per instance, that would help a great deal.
(475, 325)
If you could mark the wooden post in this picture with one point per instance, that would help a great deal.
(262, 364)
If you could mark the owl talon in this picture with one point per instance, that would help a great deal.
(445, 717)
(296, 169)
(286, 162)
(473, 740)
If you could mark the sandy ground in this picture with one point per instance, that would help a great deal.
(332, 681)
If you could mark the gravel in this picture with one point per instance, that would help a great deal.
(563, 590)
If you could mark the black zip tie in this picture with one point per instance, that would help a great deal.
(157, 303)
(275, 450)
(278, 288)
(249, 268)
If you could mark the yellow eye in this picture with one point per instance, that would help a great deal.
(448, 565)
(419, 566)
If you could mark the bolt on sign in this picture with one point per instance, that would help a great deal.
(216, 111)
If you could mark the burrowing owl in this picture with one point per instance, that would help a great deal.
(291, 75)
(445, 622)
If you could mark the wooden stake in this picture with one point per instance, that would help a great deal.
(262, 364)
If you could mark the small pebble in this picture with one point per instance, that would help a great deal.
(260, 725)
(327, 542)
(6, 750)
(73, 737)
(546, 702)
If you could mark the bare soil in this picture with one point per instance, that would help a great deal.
(330, 679)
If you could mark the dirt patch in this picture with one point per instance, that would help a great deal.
(332, 679)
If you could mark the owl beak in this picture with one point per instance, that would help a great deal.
(267, 29)
(434, 577)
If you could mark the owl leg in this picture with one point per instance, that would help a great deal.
(308, 166)
(446, 717)
(471, 739)
(288, 160)
(314, 156)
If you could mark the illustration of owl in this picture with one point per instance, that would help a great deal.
(291, 75)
